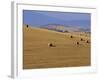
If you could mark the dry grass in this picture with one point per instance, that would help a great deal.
(66, 53)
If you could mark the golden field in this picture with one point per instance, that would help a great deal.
(65, 53)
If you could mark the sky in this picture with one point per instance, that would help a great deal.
(40, 18)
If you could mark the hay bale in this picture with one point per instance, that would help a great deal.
(77, 43)
(71, 36)
(51, 45)
(81, 39)
(27, 26)
(87, 41)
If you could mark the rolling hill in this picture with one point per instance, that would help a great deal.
(67, 28)
(66, 53)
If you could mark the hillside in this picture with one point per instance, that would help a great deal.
(65, 53)
(63, 28)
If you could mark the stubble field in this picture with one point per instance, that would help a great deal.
(65, 52)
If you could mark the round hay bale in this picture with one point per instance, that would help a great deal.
(71, 36)
(50, 45)
(27, 26)
(81, 39)
(87, 41)
(77, 43)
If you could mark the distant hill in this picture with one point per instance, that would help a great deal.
(67, 28)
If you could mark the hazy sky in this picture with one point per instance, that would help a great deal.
(40, 18)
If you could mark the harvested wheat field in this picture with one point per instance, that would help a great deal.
(66, 51)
